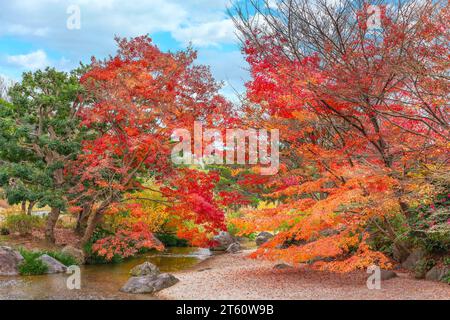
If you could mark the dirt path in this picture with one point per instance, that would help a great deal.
(235, 277)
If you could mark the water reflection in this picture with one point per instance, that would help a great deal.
(98, 281)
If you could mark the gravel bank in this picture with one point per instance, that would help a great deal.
(236, 277)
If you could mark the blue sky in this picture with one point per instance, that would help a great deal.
(34, 33)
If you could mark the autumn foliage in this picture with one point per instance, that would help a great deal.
(133, 103)
(364, 137)
(362, 128)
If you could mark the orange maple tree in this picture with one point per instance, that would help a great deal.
(360, 112)
(133, 102)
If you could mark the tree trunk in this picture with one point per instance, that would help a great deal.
(24, 207)
(30, 207)
(51, 223)
(82, 220)
(91, 224)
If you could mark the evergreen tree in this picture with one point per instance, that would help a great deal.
(39, 133)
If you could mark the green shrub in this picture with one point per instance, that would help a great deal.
(22, 223)
(65, 259)
(446, 279)
(32, 268)
(430, 225)
(252, 236)
(171, 240)
(31, 265)
(4, 231)
(447, 261)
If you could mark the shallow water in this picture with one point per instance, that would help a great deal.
(98, 281)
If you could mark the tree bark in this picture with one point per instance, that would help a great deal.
(24, 207)
(91, 224)
(51, 223)
(82, 220)
(30, 207)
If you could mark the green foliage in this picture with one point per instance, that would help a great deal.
(171, 240)
(4, 231)
(253, 236)
(446, 279)
(65, 259)
(379, 241)
(447, 261)
(22, 223)
(431, 229)
(39, 133)
(31, 264)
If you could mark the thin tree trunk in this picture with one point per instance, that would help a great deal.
(82, 220)
(24, 207)
(51, 223)
(91, 224)
(30, 207)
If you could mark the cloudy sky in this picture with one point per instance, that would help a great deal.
(35, 34)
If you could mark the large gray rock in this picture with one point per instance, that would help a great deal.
(234, 247)
(145, 269)
(149, 284)
(437, 273)
(76, 253)
(399, 253)
(262, 238)
(412, 260)
(9, 261)
(223, 239)
(387, 274)
(53, 265)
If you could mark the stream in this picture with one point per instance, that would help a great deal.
(98, 282)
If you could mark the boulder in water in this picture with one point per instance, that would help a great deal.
(149, 284)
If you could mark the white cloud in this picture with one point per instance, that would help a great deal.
(32, 61)
(102, 19)
(174, 23)
(21, 30)
(206, 34)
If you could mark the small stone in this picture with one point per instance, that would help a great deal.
(234, 247)
(282, 266)
(262, 238)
